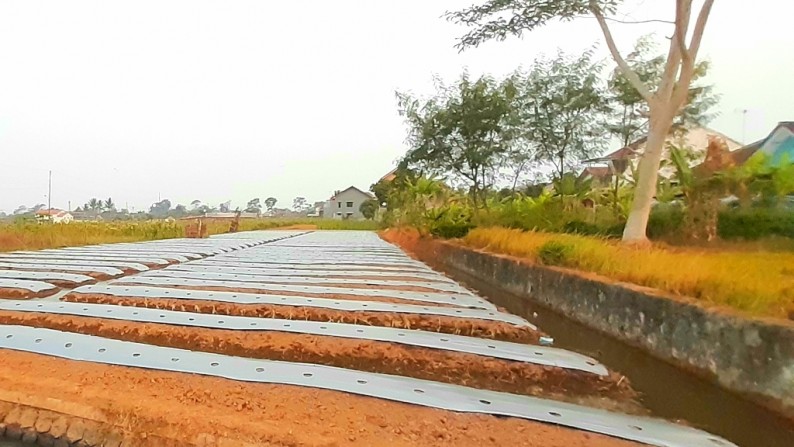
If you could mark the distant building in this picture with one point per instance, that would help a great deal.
(600, 175)
(624, 160)
(55, 216)
(778, 146)
(318, 210)
(345, 204)
(391, 175)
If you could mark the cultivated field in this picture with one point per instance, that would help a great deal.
(289, 337)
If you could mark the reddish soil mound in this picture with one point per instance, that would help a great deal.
(364, 355)
(332, 296)
(448, 325)
(202, 411)
(11, 293)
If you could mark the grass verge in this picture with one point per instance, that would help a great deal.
(36, 236)
(760, 283)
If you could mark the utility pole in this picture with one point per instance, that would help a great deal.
(49, 193)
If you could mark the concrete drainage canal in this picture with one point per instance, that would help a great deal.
(293, 338)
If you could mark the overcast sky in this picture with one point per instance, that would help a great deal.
(229, 100)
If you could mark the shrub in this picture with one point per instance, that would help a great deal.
(665, 220)
(450, 221)
(555, 253)
(755, 223)
(585, 228)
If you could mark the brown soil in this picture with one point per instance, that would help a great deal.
(12, 293)
(333, 296)
(449, 325)
(204, 411)
(383, 357)
(66, 284)
(96, 275)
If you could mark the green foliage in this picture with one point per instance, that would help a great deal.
(462, 130)
(555, 253)
(583, 228)
(369, 208)
(665, 221)
(561, 108)
(382, 190)
(570, 185)
(755, 223)
(629, 118)
(498, 19)
(451, 221)
(253, 206)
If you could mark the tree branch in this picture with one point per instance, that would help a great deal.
(683, 8)
(688, 68)
(672, 70)
(700, 27)
(635, 80)
(630, 22)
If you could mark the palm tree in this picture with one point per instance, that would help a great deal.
(94, 204)
(109, 205)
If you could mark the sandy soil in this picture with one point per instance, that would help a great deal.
(212, 411)
(390, 358)
(448, 325)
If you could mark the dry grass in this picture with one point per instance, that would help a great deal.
(30, 235)
(35, 236)
(759, 282)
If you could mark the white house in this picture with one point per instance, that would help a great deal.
(55, 216)
(345, 204)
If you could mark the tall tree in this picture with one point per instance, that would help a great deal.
(270, 202)
(253, 206)
(496, 19)
(161, 208)
(94, 205)
(196, 204)
(369, 208)
(463, 130)
(299, 204)
(629, 120)
(179, 210)
(109, 205)
(563, 105)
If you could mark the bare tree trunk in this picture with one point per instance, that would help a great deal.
(648, 174)
(664, 103)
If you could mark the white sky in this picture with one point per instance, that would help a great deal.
(219, 100)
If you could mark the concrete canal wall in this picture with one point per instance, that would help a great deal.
(751, 356)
